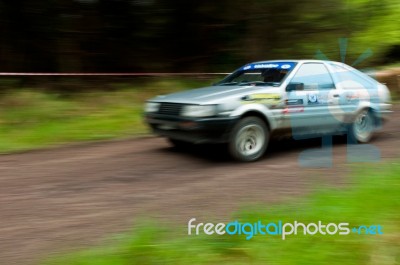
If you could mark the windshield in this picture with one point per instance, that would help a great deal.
(270, 73)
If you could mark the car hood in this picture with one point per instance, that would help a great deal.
(206, 95)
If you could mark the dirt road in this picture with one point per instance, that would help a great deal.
(70, 197)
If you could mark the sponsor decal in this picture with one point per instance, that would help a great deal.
(277, 65)
(257, 66)
(312, 98)
(263, 98)
(293, 109)
(352, 96)
(298, 101)
(323, 98)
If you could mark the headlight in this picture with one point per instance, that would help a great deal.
(152, 106)
(199, 110)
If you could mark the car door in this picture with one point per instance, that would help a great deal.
(317, 94)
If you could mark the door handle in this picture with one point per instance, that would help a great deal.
(335, 95)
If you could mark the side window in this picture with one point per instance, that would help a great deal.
(314, 76)
(351, 79)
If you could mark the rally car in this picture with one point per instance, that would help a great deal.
(297, 98)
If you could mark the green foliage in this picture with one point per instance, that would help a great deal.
(372, 199)
(176, 35)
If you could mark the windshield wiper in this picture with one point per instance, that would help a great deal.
(259, 83)
(245, 83)
(226, 84)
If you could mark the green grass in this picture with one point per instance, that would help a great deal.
(32, 118)
(372, 199)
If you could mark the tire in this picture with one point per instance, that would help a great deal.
(362, 128)
(249, 139)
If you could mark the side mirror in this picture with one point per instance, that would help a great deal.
(295, 86)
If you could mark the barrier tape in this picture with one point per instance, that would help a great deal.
(109, 74)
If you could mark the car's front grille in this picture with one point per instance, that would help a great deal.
(173, 109)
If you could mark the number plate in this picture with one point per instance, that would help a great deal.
(166, 127)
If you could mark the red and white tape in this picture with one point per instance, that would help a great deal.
(109, 74)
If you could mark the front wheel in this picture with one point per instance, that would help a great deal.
(249, 139)
(362, 128)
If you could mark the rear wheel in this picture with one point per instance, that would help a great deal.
(249, 139)
(363, 126)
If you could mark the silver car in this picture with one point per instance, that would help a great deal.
(297, 98)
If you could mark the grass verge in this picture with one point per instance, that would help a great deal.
(31, 118)
(371, 200)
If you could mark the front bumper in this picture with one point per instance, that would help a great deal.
(201, 130)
